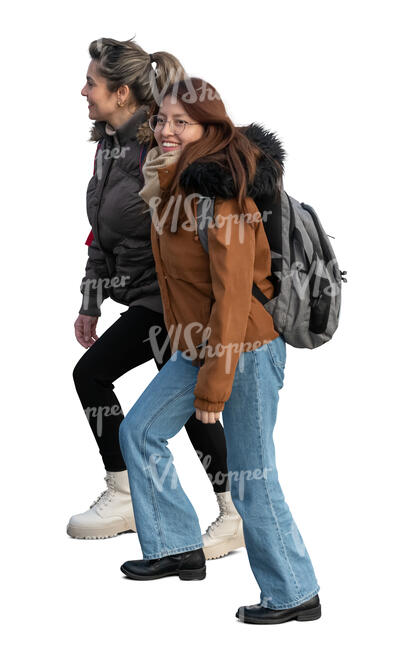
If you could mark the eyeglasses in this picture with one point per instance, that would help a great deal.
(157, 123)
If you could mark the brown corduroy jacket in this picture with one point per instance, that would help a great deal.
(207, 298)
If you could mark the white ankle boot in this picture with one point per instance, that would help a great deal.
(111, 513)
(226, 533)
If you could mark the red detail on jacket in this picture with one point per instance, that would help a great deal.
(89, 239)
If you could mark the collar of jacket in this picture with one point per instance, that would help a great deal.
(210, 179)
(125, 132)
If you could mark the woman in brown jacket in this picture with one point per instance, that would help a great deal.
(227, 357)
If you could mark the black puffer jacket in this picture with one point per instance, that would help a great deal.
(120, 261)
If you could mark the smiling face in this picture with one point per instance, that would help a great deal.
(101, 102)
(166, 137)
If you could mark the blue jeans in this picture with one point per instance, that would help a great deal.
(167, 522)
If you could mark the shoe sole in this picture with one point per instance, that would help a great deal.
(308, 615)
(184, 574)
(223, 548)
(79, 533)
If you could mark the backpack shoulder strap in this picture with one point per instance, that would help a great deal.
(205, 216)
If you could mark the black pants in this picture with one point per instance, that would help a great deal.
(123, 347)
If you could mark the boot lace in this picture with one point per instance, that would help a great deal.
(224, 512)
(214, 525)
(106, 496)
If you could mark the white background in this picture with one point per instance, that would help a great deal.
(326, 77)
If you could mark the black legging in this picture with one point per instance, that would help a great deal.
(122, 347)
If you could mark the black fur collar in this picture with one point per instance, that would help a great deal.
(210, 179)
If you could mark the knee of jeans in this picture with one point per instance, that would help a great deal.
(126, 434)
(131, 432)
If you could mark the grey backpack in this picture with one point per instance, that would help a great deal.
(307, 281)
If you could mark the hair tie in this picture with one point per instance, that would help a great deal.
(151, 58)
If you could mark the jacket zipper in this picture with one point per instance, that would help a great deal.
(96, 219)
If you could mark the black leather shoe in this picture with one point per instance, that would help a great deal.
(308, 611)
(188, 566)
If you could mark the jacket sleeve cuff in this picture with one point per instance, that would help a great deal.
(89, 306)
(204, 405)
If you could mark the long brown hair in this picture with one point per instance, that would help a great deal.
(221, 143)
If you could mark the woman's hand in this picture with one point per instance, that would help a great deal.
(85, 330)
(207, 417)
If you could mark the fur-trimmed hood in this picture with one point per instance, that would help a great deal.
(211, 179)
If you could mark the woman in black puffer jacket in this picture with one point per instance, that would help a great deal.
(121, 84)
